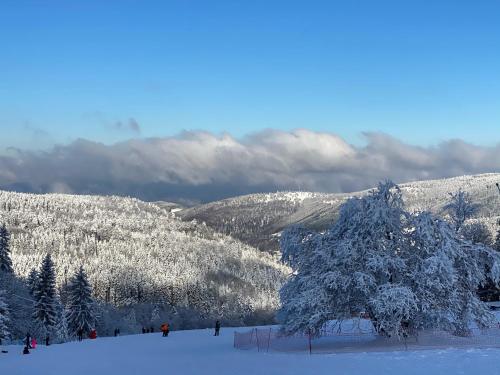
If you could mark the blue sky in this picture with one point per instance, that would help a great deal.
(421, 71)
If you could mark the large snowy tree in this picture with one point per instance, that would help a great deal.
(407, 271)
(45, 295)
(81, 306)
(5, 260)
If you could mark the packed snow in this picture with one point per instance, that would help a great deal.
(199, 352)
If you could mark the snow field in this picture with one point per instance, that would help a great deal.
(199, 352)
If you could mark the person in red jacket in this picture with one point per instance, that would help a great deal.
(93, 334)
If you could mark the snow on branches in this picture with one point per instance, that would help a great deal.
(406, 270)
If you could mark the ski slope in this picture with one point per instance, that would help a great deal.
(198, 352)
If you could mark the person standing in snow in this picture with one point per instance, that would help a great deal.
(217, 328)
(165, 328)
(33, 343)
(80, 334)
(27, 341)
(26, 350)
(47, 340)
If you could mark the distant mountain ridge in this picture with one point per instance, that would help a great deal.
(257, 219)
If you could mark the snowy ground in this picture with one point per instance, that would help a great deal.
(198, 352)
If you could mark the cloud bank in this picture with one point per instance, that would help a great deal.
(200, 166)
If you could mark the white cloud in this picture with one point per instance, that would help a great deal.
(203, 166)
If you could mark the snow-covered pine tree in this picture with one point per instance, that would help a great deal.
(477, 233)
(81, 306)
(33, 280)
(5, 260)
(496, 245)
(406, 271)
(460, 208)
(4, 318)
(45, 296)
(61, 330)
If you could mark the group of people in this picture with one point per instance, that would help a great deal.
(165, 329)
(31, 343)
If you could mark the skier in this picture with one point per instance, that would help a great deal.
(217, 328)
(80, 334)
(28, 340)
(165, 329)
(151, 329)
(93, 334)
(116, 332)
(143, 330)
(33, 343)
(26, 350)
(47, 340)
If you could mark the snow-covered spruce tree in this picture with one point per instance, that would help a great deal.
(496, 245)
(61, 330)
(5, 260)
(477, 232)
(81, 306)
(45, 296)
(406, 271)
(4, 318)
(32, 280)
(460, 208)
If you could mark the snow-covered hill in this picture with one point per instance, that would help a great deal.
(257, 219)
(198, 352)
(139, 253)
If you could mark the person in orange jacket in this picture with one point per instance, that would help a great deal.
(165, 328)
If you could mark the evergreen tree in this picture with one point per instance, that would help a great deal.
(61, 330)
(496, 245)
(477, 233)
(81, 308)
(4, 318)
(461, 208)
(45, 296)
(33, 280)
(5, 261)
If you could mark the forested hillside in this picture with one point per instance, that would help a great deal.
(258, 219)
(137, 253)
